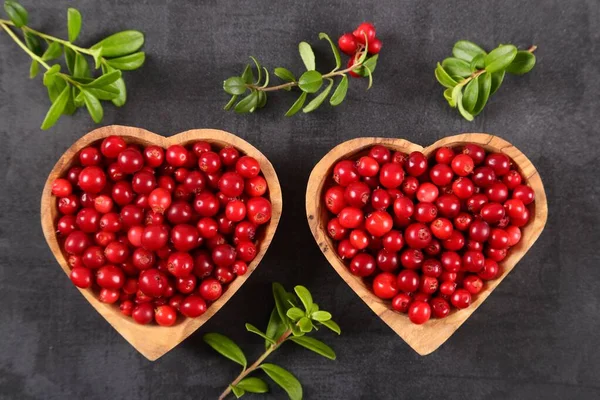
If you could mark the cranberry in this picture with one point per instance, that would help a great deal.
(484, 177)
(461, 298)
(380, 199)
(362, 264)
(447, 287)
(380, 153)
(427, 192)
(408, 281)
(122, 193)
(224, 274)
(358, 239)
(476, 202)
(81, 277)
(442, 228)
(110, 277)
(410, 186)
(108, 296)
(154, 237)
(416, 164)
(440, 307)
(523, 193)
(462, 165)
(130, 161)
(112, 145)
(387, 261)
(90, 156)
(210, 289)
(143, 313)
(463, 221)
(348, 44)
(357, 194)
(498, 239)
(417, 236)
(209, 162)
(492, 212)
(451, 261)
(374, 46)
(248, 167)
(116, 252)
(500, 163)
(473, 284)
(126, 307)
(473, 261)
(203, 265)
(186, 285)
(496, 254)
(425, 212)
(239, 268)
(224, 255)
(512, 179)
(335, 199)
(152, 282)
(479, 230)
(367, 166)
(192, 306)
(419, 312)
(448, 205)
(379, 223)
(77, 242)
(490, 270)
(514, 235)
(401, 302)
(258, 210)
(393, 241)
(365, 33)
(68, 205)
(441, 174)
(403, 207)
(412, 258)
(444, 155)
(92, 179)
(476, 152)
(385, 286)
(256, 186)
(391, 175)
(455, 242)
(61, 187)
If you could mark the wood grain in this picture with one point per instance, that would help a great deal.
(153, 341)
(425, 338)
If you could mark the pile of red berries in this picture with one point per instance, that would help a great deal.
(160, 231)
(353, 43)
(427, 233)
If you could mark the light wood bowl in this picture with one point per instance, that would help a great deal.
(152, 340)
(425, 338)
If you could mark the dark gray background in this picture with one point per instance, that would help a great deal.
(535, 337)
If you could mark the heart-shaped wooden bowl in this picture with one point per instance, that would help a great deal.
(425, 338)
(153, 341)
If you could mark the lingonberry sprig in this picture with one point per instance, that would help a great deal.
(480, 74)
(362, 44)
(294, 316)
(69, 91)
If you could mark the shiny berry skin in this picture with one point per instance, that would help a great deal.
(126, 307)
(475, 151)
(387, 261)
(256, 186)
(385, 286)
(448, 205)
(439, 307)
(429, 285)
(223, 255)
(159, 200)
(427, 192)
(116, 252)
(451, 261)
(229, 156)
(345, 249)
(210, 289)
(524, 193)
(463, 188)
(441, 174)
(514, 235)
(365, 32)
(66, 224)
(258, 210)
(90, 156)
(380, 199)
(345, 172)
(380, 153)
(463, 221)
(348, 44)
(391, 175)
(358, 238)
(88, 220)
(108, 296)
(492, 212)
(176, 155)
(374, 46)
(61, 187)
(462, 165)
(476, 202)
(165, 315)
(461, 298)
(455, 242)
(239, 268)
(209, 162)
(442, 228)
(479, 231)
(484, 177)
(473, 261)
(206, 204)
(110, 277)
(186, 285)
(367, 166)
(512, 179)
(192, 306)
(81, 277)
(497, 192)
(351, 217)
(425, 212)
(444, 155)
(130, 161)
(231, 184)
(180, 264)
(112, 145)
(432, 267)
(498, 239)
(143, 259)
(412, 258)
(419, 312)
(362, 264)
(500, 163)
(416, 164)
(247, 167)
(154, 237)
(143, 313)
(184, 237)
(77, 242)
(122, 193)
(224, 274)
(393, 241)
(235, 210)
(401, 302)
(379, 223)
(410, 186)
(403, 207)
(357, 194)
(111, 222)
(131, 215)
(447, 288)
(408, 281)
(246, 251)
(490, 270)
(152, 282)
(417, 236)
(335, 199)
(92, 179)
(143, 182)
(473, 284)
(496, 254)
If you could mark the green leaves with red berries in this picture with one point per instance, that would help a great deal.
(76, 87)
(472, 75)
(253, 84)
(294, 316)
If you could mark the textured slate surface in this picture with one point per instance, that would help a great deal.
(536, 337)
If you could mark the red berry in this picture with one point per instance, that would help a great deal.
(152, 282)
(417, 236)
(362, 264)
(375, 46)
(210, 289)
(461, 298)
(192, 306)
(258, 210)
(439, 307)
(379, 223)
(348, 44)
(112, 146)
(401, 302)
(247, 167)
(81, 277)
(462, 165)
(143, 313)
(391, 175)
(364, 32)
(473, 284)
(384, 285)
(419, 312)
(165, 315)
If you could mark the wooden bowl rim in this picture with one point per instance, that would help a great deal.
(426, 338)
(152, 340)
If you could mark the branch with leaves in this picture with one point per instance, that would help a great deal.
(309, 82)
(69, 91)
(480, 74)
(294, 316)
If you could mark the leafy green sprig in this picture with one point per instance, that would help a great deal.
(78, 87)
(309, 82)
(294, 316)
(472, 75)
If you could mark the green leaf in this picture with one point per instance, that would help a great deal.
(55, 86)
(70, 108)
(119, 84)
(297, 106)
(238, 392)
(284, 74)
(262, 99)
(456, 67)
(448, 97)
(279, 293)
(121, 43)
(310, 81)
(226, 347)
(442, 76)
(466, 50)
(53, 51)
(258, 70)
(497, 78)
(253, 385)
(477, 63)
(332, 325)
(461, 108)
(500, 58)
(370, 63)
(321, 316)
(275, 328)
(104, 80)
(286, 380)
(304, 296)
(93, 106)
(234, 85)
(248, 75)
(340, 92)
(73, 24)
(57, 108)
(315, 345)
(457, 93)
(317, 101)
(81, 68)
(370, 75)
(308, 56)
(485, 85)
(78, 98)
(230, 103)
(334, 49)
(305, 324)
(129, 62)
(523, 63)
(247, 104)
(295, 313)
(34, 68)
(33, 43)
(109, 92)
(70, 59)
(314, 308)
(253, 329)
(17, 14)
(470, 95)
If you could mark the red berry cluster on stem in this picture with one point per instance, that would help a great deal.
(354, 43)
(427, 234)
(160, 232)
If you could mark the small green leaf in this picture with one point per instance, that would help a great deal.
(53, 51)
(73, 24)
(497, 78)
(370, 76)
(248, 75)
(448, 97)
(466, 50)
(442, 76)
(93, 106)
(314, 345)
(70, 59)
(308, 56)
(108, 92)
(310, 81)
(314, 308)
(334, 49)
(470, 95)
(305, 324)
(500, 58)
(284, 74)
(81, 68)
(55, 86)
(104, 80)
(477, 62)
(279, 293)
(317, 101)
(258, 70)
(119, 84)
(286, 380)
(370, 63)
(297, 106)
(226, 347)
(78, 98)
(457, 93)
(332, 325)
(253, 385)
(295, 313)
(253, 329)
(304, 296)
(523, 63)
(247, 104)
(485, 85)
(266, 82)
(340, 92)
(34, 68)
(17, 14)
(275, 328)
(70, 108)
(57, 108)
(230, 103)
(120, 44)
(234, 85)
(262, 99)
(33, 43)
(129, 62)
(321, 316)
(459, 102)
(237, 392)
(456, 67)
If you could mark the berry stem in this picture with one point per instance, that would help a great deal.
(256, 363)
(22, 45)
